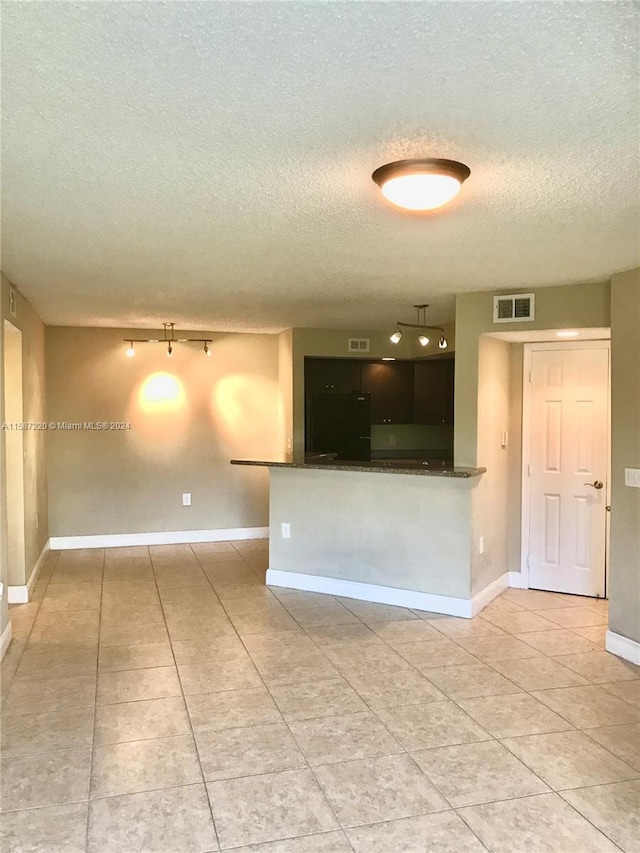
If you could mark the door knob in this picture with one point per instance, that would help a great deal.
(597, 484)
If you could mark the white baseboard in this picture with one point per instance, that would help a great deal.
(5, 640)
(448, 605)
(20, 594)
(491, 591)
(623, 647)
(516, 581)
(173, 537)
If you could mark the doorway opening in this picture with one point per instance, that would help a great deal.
(14, 455)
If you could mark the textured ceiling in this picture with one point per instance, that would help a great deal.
(210, 163)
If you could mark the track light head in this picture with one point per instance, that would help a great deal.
(396, 336)
(423, 340)
(442, 343)
(169, 351)
(131, 351)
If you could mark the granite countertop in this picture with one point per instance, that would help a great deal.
(380, 466)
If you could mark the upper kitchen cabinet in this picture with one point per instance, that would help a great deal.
(331, 374)
(391, 386)
(433, 391)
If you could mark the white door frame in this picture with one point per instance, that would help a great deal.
(526, 456)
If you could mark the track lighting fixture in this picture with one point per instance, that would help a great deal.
(169, 339)
(421, 324)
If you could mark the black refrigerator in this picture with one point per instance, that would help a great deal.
(340, 422)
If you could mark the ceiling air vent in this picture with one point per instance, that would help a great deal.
(359, 344)
(516, 308)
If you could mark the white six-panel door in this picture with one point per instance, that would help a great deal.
(568, 469)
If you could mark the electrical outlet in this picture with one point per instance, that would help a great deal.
(186, 499)
(632, 477)
(481, 545)
(286, 530)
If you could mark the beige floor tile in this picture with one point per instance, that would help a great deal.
(128, 635)
(232, 709)
(343, 635)
(76, 574)
(601, 667)
(275, 806)
(70, 597)
(533, 599)
(203, 607)
(589, 707)
(558, 642)
(169, 579)
(300, 599)
(44, 665)
(623, 741)
(118, 571)
(50, 694)
(254, 605)
(435, 724)
(160, 682)
(279, 642)
(377, 789)
(458, 629)
(502, 604)
(263, 623)
(247, 751)
(505, 647)
(201, 549)
(407, 631)
(442, 832)
(197, 627)
(614, 809)
(207, 649)
(430, 655)
(576, 617)
(177, 819)
(390, 689)
(327, 842)
(596, 634)
(543, 823)
(278, 670)
(217, 676)
(539, 673)
(520, 623)
(475, 773)
(45, 732)
(251, 589)
(55, 829)
(144, 765)
(126, 552)
(329, 614)
(463, 682)
(513, 715)
(191, 595)
(371, 613)
(44, 779)
(148, 718)
(244, 546)
(310, 699)
(380, 659)
(140, 656)
(569, 760)
(115, 617)
(326, 740)
(629, 691)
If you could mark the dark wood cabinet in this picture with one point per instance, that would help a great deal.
(390, 384)
(331, 374)
(433, 391)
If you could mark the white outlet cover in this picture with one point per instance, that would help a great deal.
(632, 477)
(481, 545)
(286, 530)
(186, 499)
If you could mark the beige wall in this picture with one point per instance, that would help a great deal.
(131, 481)
(333, 343)
(624, 566)
(34, 410)
(285, 383)
(4, 607)
(490, 499)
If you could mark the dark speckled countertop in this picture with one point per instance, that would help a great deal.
(379, 466)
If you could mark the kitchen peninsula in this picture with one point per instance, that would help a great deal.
(395, 532)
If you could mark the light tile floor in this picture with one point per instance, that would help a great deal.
(163, 700)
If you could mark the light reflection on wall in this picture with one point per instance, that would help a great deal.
(245, 411)
(159, 411)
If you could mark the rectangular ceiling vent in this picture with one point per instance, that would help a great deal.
(516, 308)
(359, 344)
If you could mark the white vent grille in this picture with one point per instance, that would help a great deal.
(359, 344)
(515, 308)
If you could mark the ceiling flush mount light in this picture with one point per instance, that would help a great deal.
(168, 339)
(421, 184)
(421, 325)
